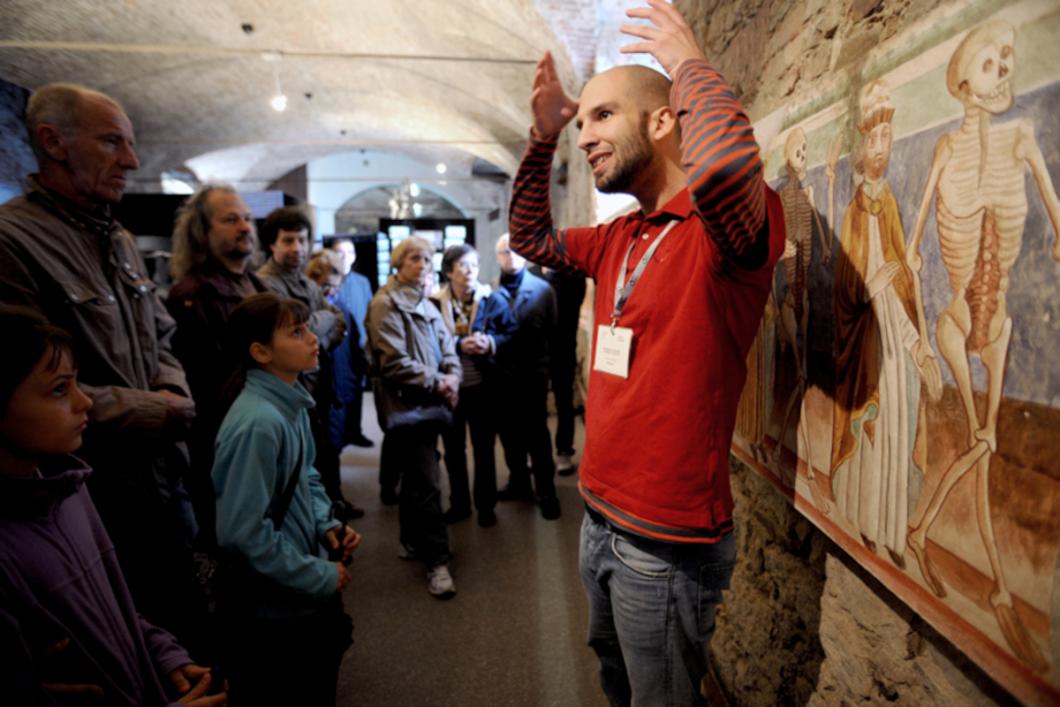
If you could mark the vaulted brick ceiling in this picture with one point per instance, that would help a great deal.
(442, 76)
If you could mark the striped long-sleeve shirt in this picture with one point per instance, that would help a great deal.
(657, 442)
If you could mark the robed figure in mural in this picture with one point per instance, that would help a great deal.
(879, 354)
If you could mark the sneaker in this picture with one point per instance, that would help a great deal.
(549, 507)
(487, 519)
(406, 552)
(565, 464)
(440, 582)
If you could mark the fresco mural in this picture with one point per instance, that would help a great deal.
(904, 388)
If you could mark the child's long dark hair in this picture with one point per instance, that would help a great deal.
(253, 322)
(29, 336)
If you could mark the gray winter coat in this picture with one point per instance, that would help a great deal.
(409, 346)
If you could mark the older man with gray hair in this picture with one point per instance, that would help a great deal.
(63, 254)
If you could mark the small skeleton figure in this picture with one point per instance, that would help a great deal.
(800, 215)
(977, 181)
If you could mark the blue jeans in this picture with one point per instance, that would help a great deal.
(651, 611)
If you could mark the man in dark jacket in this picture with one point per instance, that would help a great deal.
(63, 254)
(213, 242)
(286, 235)
(522, 382)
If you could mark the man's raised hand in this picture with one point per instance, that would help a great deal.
(670, 41)
(551, 106)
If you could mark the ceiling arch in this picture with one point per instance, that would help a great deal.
(449, 74)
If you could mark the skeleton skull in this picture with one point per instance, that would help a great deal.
(981, 69)
(795, 152)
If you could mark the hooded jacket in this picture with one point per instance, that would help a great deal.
(60, 579)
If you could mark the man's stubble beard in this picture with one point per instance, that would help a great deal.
(629, 166)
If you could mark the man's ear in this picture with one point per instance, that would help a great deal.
(261, 353)
(51, 140)
(662, 123)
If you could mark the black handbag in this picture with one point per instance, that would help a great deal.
(400, 405)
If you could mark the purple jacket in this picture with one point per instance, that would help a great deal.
(59, 578)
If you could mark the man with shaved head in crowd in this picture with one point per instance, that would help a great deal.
(682, 286)
(63, 254)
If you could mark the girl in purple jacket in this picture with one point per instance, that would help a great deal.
(69, 632)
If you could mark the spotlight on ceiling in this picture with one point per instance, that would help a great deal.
(440, 168)
(279, 103)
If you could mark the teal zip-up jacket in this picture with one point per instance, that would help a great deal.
(256, 451)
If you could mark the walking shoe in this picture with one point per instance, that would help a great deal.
(455, 515)
(440, 582)
(565, 464)
(487, 518)
(406, 552)
(549, 507)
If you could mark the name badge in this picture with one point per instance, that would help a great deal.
(612, 350)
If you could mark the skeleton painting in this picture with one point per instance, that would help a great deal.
(800, 219)
(976, 183)
(907, 395)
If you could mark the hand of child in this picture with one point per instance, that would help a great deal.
(344, 577)
(196, 696)
(350, 540)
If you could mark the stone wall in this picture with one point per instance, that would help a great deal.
(803, 623)
(779, 51)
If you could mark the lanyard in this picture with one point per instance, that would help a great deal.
(622, 293)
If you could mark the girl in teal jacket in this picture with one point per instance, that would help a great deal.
(284, 613)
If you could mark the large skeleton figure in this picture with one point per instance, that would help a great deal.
(977, 179)
(800, 215)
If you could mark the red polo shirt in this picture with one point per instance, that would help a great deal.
(656, 458)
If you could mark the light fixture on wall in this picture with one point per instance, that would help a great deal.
(440, 168)
(279, 99)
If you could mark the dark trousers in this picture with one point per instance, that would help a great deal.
(473, 412)
(353, 416)
(522, 403)
(389, 472)
(414, 452)
(287, 661)
(327, 459)
(564, 364)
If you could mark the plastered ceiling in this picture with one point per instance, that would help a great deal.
(434, 77)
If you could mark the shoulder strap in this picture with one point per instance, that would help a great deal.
(284, 502)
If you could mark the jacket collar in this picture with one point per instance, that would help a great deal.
(289, 399)
(100, 221)
(225, 282)
(60, 477)
(405, 296)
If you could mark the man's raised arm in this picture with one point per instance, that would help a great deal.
(530, 221)
(718, 151)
